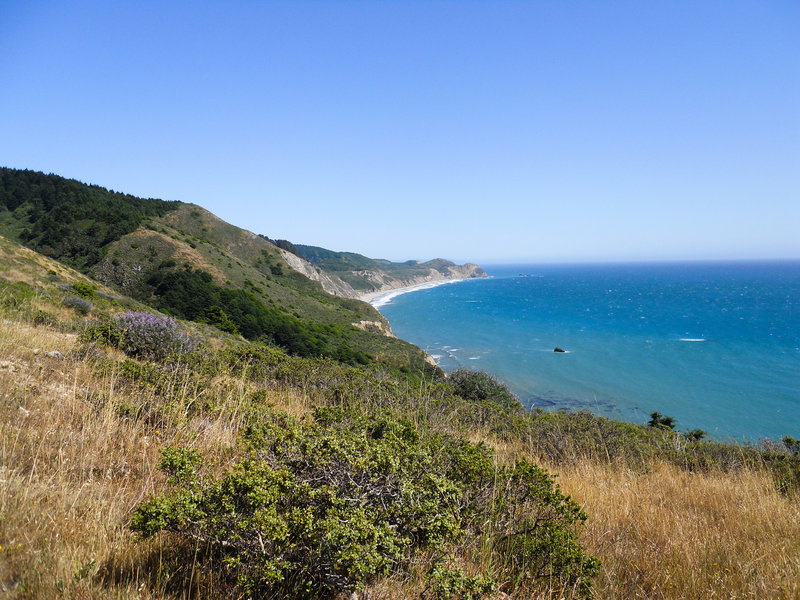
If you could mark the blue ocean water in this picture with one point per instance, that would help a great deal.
(716, 345)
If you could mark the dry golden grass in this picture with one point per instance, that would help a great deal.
(73, 466)
(18, 263)
(669, 533)
(71, 470)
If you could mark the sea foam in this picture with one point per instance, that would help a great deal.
(386, 298)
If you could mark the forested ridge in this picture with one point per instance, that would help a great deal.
(337, 262)
(69, 220)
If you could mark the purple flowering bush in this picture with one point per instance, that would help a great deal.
(148, 335)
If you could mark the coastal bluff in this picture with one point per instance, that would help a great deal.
(351, 275)
(385, 282)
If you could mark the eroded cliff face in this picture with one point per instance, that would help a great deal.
(330, 283)
(384, 282)
(375, 281)
(377, 327)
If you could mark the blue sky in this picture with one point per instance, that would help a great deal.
(482, 131)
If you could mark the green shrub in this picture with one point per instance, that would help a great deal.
(480, 386)
(105, 332)
(84, 289)
(312, 509)
(453, 584)
(180, 464)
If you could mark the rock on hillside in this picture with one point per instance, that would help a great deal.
(329, 282)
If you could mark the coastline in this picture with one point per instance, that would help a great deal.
(383, 297)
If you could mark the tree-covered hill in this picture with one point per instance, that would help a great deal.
(69, 220)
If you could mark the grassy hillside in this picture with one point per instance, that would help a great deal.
(229, 469)
(184, 261)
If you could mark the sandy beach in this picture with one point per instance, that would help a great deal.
(378, 299)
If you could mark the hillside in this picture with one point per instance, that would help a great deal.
(136, 467)
(66, 219)
(183, 260)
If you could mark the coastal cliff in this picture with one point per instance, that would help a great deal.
(352, 275)
(380, 280)
(330, 283)
(384, 282)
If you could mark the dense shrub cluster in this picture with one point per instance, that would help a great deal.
(312, 509)
(86, 290)
(193, 295)
(480, 386)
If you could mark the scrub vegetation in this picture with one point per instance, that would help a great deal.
(146, 455)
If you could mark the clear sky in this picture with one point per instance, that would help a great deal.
(484, 131)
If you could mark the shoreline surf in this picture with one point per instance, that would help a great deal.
(383, 297)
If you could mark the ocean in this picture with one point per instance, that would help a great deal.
(714, 345)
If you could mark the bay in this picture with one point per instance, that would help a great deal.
(714, 345)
